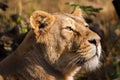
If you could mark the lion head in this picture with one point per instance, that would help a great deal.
(67, 42)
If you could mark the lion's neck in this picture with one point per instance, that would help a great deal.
(29, 64)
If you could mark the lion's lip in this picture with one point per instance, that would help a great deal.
(90, 58)
(83, 60)
(95, 55)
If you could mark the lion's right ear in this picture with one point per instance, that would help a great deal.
(41, 20)
(77, 12)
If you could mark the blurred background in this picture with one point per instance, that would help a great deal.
(101, 15)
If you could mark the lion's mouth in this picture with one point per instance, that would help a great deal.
(82, 61)
(90, 58)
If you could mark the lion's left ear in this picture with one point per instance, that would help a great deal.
(41, 20)
(77, 12)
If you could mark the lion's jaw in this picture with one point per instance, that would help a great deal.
(93, 62)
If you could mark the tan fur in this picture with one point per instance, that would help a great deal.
(55, 49)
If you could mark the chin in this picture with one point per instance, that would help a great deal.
(92, 64)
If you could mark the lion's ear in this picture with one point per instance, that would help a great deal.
(40, 20)
(77, 12)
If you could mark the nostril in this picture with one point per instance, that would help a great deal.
(94, 41)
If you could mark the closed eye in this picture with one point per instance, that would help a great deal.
(69, 28)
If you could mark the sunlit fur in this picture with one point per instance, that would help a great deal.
(68, 47)
(56, 48)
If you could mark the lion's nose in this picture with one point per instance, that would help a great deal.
(94, 41)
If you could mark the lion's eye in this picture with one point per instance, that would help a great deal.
(69, 28)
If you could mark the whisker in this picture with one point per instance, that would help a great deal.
(79, 60)
(72, 60)
(76, 61)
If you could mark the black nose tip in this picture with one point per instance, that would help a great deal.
(94, 41)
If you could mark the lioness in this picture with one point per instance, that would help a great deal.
(56, 48)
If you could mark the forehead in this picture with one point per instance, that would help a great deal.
(69, 19)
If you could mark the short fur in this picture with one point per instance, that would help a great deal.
(56, 48)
